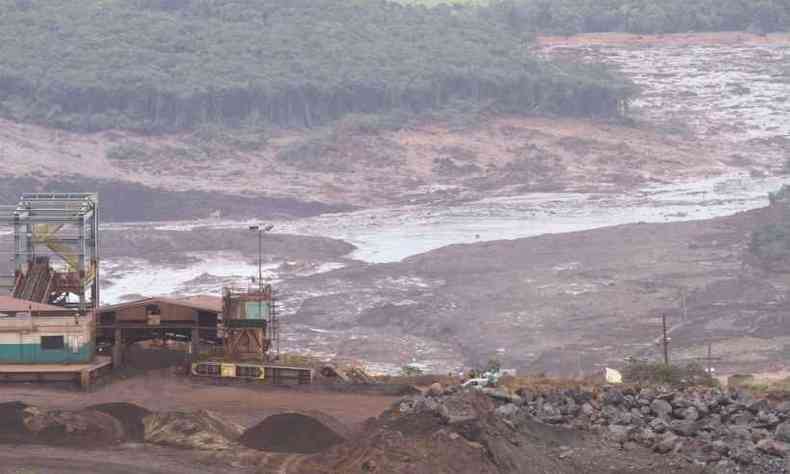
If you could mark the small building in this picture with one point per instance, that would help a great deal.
(36, 333)
(195, 318)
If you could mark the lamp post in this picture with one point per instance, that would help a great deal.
(261, 229)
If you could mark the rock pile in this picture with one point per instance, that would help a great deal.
(707, 426)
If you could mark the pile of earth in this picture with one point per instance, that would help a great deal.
(291, 433)
(130, 415)
(203, 430)
(466, 431)
(115, 423)
(22, 423)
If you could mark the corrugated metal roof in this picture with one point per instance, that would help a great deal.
(9, 304)
(201, 303)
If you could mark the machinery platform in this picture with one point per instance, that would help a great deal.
(272, 374)
(85, 374)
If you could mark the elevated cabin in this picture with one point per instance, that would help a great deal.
(36, 333)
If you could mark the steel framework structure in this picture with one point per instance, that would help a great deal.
(63, 226)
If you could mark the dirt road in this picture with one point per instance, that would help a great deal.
(246, 404)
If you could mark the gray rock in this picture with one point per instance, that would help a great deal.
(613, 397)
(435, 390)
(684, 427)
(740, 432)
(743, 454)
(782, 432)
(508, 410)
(742, 418)
(759, 434)
(661, 408)
(767, 420)
(647, 394)
(758, 406)
(680, 402)
(666, 443)
(501, 395)
(773, 447)
(720, 447)
(620, 433)
(587, 409)
(690, 414)
(659, 425)
(622, 418)
(570, 408)
(646, 436)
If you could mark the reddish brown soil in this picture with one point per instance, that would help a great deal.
(246, 404)
(677, 39)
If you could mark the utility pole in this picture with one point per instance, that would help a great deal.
(261, 229)
(710, 359)
(665, 339)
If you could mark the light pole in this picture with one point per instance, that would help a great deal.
(261, 229)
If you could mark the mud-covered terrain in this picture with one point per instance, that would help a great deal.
(718, 113)
(565, 303)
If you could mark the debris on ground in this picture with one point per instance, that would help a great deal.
(201, 429)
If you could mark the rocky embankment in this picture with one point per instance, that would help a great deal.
(706, 426)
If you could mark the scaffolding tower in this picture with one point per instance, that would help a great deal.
(250, 326)
(56, 248)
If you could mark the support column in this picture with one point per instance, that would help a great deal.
(117, 349)
(85, 379)
(194, 344)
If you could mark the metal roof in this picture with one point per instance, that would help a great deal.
(201, 303)
(9, 304)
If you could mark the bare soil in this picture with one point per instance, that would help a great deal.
(569, 303)
(245, 404)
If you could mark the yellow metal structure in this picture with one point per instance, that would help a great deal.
(45, 234)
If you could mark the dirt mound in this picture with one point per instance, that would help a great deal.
(291, 433)
(130, 415)
(196, 430)
(84, 428)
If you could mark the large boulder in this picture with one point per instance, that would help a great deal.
(192, 430)
(661, 408)
(773, 447)
(666, 443)
(782, 432)
(684, 427)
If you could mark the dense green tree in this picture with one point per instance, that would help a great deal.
(160, 65)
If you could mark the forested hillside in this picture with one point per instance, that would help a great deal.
(645, 16)
(634, 16)
(162, 65)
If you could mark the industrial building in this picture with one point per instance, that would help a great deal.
(32, 333)
(196, 318)
(51, 321)
(47, 324)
